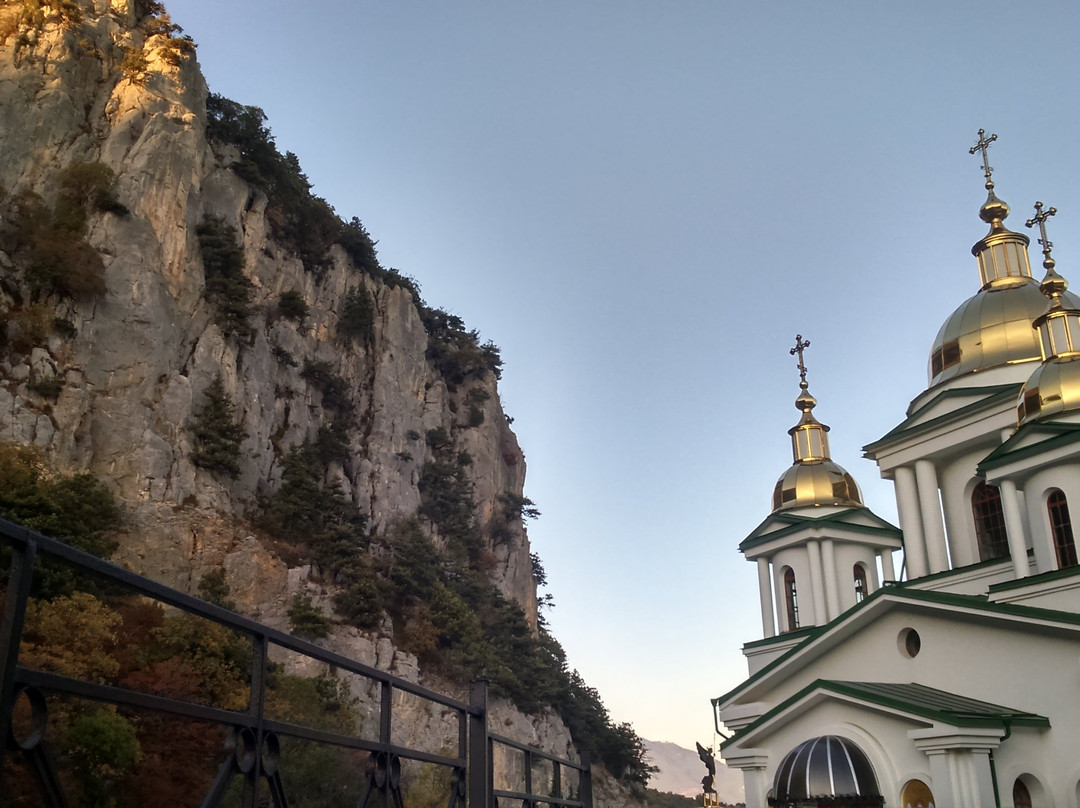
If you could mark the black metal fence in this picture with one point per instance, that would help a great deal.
(252, 755)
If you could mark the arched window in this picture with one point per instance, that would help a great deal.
(791, 598)
(1021, 795)
(916, 794)
(989, 522)
(860, 583)
(1061, 528)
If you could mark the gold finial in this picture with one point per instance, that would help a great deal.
(805, 401)
(982, 145)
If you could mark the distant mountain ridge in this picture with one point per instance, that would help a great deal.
(681, 772)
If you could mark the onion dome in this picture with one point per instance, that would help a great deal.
(993, 327)
(813, 479)
(828, 770)
(1054, 387)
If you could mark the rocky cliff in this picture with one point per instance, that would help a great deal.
(118, 339)
(139, 358)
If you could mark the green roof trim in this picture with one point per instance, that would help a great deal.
(1056, 435)
(937, 576)
(913, 699)
(1020, 583)
(797, 522)
(785, 636)
(992, 395)
(975, 602)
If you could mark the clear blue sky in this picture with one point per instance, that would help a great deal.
(642, 203)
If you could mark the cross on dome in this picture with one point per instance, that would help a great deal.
(800, 346)
(1039, 219)
(982, 145)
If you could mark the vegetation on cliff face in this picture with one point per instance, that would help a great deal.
(308, 225)
(49, 244)
(428, 575)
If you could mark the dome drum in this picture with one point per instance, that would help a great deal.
(1003, 259)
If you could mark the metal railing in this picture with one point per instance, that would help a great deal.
(252, 750)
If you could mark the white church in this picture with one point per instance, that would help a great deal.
(952, 680)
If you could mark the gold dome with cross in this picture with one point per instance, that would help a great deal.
(993, 327)
(813, 479)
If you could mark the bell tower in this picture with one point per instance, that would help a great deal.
(821, 551)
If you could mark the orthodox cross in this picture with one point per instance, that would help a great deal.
(1039, 219)
(983, 145)
(800, 346)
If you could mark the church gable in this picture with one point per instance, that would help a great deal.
(1032, 440)
(913, 704)
(933, 638)
(947, 409)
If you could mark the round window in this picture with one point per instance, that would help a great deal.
(909, 642)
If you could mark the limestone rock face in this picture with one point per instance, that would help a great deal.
(146, 351)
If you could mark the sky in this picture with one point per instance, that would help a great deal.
(642, 203)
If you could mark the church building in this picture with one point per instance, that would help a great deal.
(952, 679)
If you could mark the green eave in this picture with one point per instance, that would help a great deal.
(991, 395)
(1020, 583)
(796, 522)
(787, 636)
(937, 576)
(1056, 435)
(911, 699)
(975, 602)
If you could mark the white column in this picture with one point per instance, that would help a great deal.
(959, 764)
(755, 788)
(907, 504)
(1014, 527)
(752, 763)
(930, 507)
(832, 584)
(887, 571)
(817, 584)
(768, 624)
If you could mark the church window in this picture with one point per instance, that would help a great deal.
(1061, 527)
(791, 599)
(989, 522)
(909, 642)
(860, 583)
(945, 357)
(1021, 797)
(916, 794)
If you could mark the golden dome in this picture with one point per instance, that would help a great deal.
(993, 327)
(989, 329)
(813, 479)
(1053, 388)
(822, 482)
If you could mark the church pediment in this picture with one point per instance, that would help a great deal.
(917, 704)
(1031, 440)
(945, 409)
(855, 524)
(961, 628)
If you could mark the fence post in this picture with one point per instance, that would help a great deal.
(480, 765)
(20, 574)
(257, 707)
(586, 780)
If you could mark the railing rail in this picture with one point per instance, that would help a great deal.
(253, 735)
